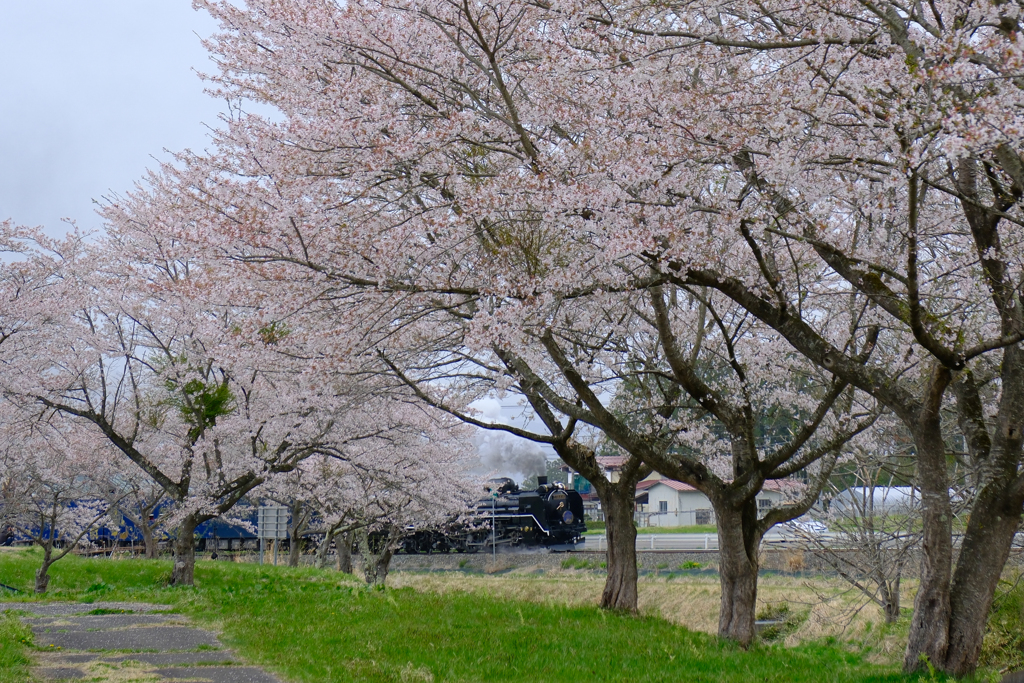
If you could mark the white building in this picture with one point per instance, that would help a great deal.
(665, 502)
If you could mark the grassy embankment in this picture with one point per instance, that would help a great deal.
(311, 625)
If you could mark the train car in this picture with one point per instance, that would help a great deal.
(509, 518)
(550, 516)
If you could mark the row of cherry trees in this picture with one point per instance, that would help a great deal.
(723, 237)
(133, 377)
(667, 225)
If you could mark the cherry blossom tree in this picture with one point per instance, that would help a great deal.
(138, 500)
(53, 489)
(173, 386)
(412, 471)
(32, 277)
(738, 410)
(877, 146)
(697, 406)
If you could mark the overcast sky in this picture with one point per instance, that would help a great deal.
(90, 92)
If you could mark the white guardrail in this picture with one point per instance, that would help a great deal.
(680, 542)
(658, 542)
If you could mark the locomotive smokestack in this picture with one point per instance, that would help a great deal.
(542, 480)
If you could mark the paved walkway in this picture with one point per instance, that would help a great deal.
(125, 641)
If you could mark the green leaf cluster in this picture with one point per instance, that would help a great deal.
(200, 402)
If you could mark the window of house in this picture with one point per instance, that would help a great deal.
(764, 503)
(662, 506)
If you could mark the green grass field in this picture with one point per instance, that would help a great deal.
(318, 626)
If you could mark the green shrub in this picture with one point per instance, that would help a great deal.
(788, 620)
(575, 563)
(580, 563)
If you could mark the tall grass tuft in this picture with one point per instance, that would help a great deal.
(1003, 647)
(15, 644)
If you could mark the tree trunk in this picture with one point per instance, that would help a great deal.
(343, 546)
(890, 593)
(377, 565)
(294, 551)
(985, 550)
(322, 548)
(42, 574)
(149, 539)
(929, 628)
(738, 543)
(620, 592)
(995, 518)
(183, 573)
(295, 530)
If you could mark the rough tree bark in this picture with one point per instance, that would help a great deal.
(620, 590)
(295, 531)
(738, 543)
(377, 561)
(929, 629)
(618, 500)
(149, 540)
(377, 567)
(322, 548)
(183, 573)
(995, 515)
(890, 593)
(983, 554)
(42, 574)
(344, 552)
(333, 535)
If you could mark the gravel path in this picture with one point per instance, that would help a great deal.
(125, 642)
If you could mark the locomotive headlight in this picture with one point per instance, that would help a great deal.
(567, 517)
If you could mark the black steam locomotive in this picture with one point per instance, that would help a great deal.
(549, 517)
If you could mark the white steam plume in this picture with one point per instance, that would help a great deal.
(506, 453)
